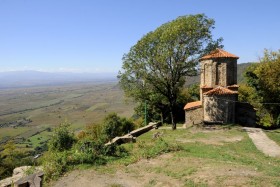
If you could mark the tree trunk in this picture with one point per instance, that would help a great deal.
(173, 120)
(172, 102)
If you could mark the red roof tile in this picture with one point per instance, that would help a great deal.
(220, 91)
(219, 53)
(193, 105)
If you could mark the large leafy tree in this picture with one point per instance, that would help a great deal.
(264, 77)
(156, 67)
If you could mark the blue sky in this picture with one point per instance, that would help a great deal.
(93, 35)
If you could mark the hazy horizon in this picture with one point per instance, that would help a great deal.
(16, 79)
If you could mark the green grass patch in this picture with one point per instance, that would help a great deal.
(39, 139)
(274, 135)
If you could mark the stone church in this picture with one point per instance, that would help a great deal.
(219, 93)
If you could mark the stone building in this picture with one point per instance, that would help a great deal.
(219, 93)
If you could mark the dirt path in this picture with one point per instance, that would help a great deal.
(262, 142)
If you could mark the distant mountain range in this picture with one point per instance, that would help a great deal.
(14, 79)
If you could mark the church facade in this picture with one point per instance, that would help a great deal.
(219, 93)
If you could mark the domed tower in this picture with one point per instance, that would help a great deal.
(219, 68)
(219, 93)
(218, 86)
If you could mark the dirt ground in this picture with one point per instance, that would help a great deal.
(190, 171)
(148, 173)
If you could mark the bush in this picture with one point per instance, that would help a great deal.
(12, 157)
(62, 138)
(114, 125)
(65, 151)
(55, 164)
(93, 131)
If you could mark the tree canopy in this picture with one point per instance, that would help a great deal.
(264, 77)
(156, 67)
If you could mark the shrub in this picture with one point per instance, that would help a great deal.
(93, 131)
(11, 157)
(62, 138)
(114, 125)
(64, 151)
(55, 163)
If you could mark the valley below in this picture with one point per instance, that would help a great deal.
(28, 115)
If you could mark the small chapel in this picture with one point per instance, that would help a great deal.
(219, 93)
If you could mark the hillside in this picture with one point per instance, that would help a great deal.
(216, 156)
(240, 71)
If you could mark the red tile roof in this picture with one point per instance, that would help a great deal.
(219, 53)
(220, 91)
(193, 105)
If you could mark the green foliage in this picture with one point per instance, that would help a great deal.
(241, 68)
(113, 126)
(62, 138)
(155, 68)
(194, 91)
(153, 113)
(30, 170)
(85, 151)
(247, 94)
(186, 95)
(264, 77)
(59, 155)
(12, 157)
(55, 163)
(93, 131)
(66, 152)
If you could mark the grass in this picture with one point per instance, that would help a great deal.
(274, 135)
(198, 162)
(38, 139)
(225, 156)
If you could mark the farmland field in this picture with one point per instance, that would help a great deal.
(28, 115)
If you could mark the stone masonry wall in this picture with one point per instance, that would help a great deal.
(222, 72)
(219, 108)
(194, 116)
